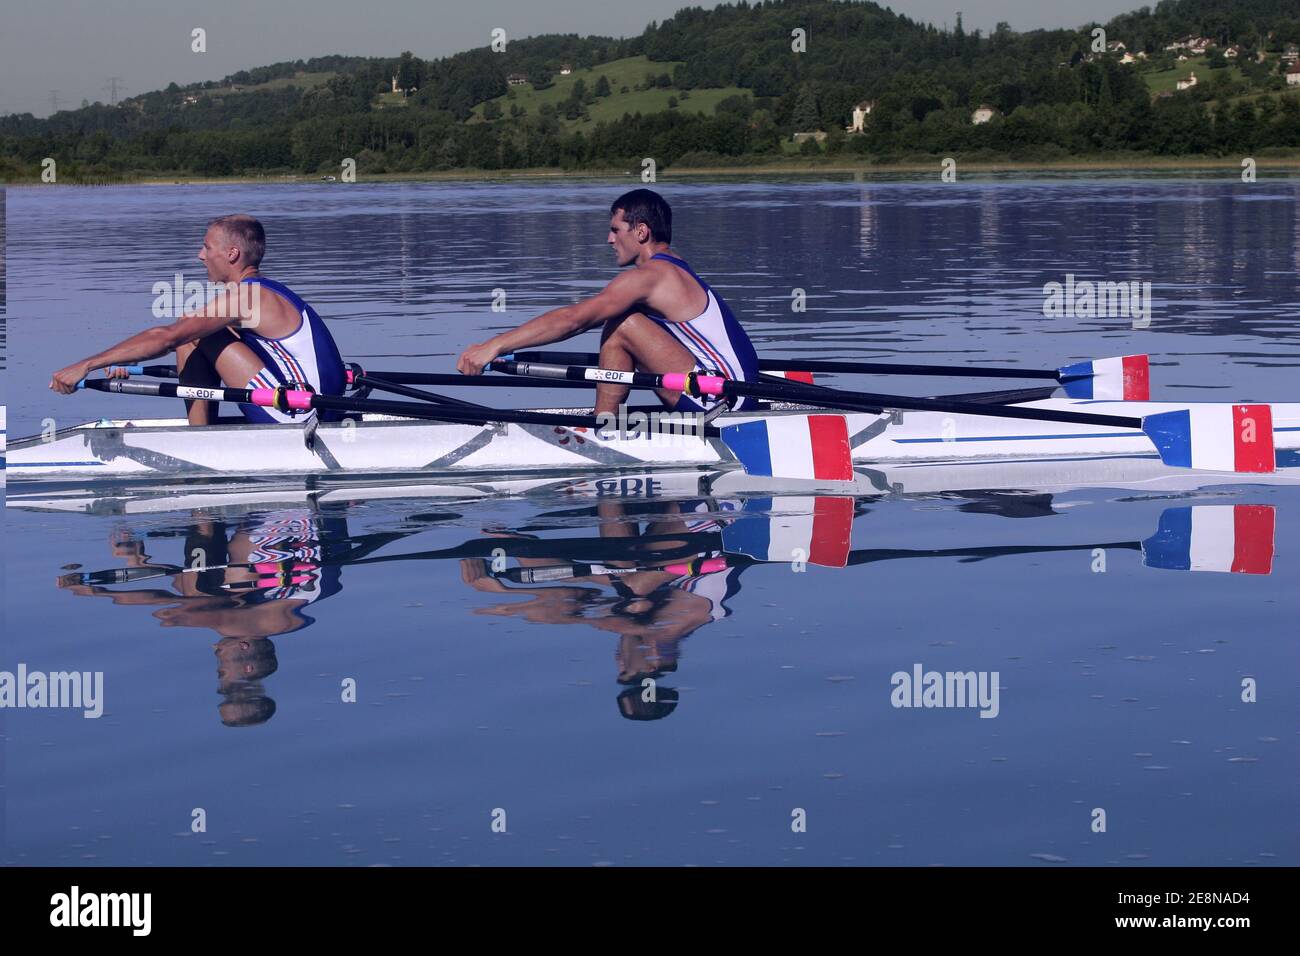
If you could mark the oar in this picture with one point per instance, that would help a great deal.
(1235, 438)
(1124, 378)
(824, 438)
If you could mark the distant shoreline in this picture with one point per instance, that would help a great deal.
(1266, 164)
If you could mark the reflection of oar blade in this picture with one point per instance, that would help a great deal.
(818, 530)
(1228, 538)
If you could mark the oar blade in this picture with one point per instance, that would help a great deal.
(805, 378)
(1237, 438)
(1236, 539)
(1126, 378)
(809, 447)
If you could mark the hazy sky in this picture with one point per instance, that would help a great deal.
(75, 46)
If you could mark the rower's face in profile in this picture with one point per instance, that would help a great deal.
(213, 254)
(623, 239)
(208, 253)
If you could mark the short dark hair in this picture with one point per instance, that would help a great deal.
(646, 206)
(245, 232)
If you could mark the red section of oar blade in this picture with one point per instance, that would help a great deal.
(805, 377)
(831, 454)
(1137, 378)
(1252, 438)
(832, 535)
(1253, 527)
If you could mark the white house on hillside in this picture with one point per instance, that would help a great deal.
(860, 114)
(1188, 83)
(983, 113)
(1293, 75)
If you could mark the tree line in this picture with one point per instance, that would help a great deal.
(1053, 96)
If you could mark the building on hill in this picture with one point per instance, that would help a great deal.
(1293, 75)
(566, 69)
(1128, 58)
(817, 134)
(1196, 46)
(860, 113)
(1291, 53)
(1188, 83)
(1232, 52)
(1115, 46)
(517, 79)
(983, 113)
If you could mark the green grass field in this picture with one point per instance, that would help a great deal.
(303, 81)
(1168, 79)
(628, 72)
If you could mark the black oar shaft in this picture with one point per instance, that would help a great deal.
(880, 368)
(830, 367)
(422, 410)
(818, 395)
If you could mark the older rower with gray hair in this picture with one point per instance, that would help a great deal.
(240, 337)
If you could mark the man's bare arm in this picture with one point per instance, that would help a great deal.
(625, 293)
(152, 343)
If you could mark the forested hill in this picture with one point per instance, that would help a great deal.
(730, 84)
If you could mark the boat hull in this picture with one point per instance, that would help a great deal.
(155, 448)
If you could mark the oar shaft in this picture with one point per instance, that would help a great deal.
(830, 367)
(291, 400)
(872, 402)
(878, 368)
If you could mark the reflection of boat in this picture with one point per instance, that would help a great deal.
(130, 448)
(144, 496)
(666, 560)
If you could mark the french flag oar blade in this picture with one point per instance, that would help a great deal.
(812, 447)
(805, 378)
(817, 530)
(1215, 438)
(1123, 379)
(1230, 538)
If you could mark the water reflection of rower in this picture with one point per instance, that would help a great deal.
(657, 571)
(247, 585)
(653, 602)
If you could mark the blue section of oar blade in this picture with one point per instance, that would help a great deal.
(1171, 546)
(750, 534)
(1171, 433)
(1076, 379)
(750, 444)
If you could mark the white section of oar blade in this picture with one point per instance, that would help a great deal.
(1214, 538)
(1213, 443)
(1108, 379)
(790, 448)
(791, 533)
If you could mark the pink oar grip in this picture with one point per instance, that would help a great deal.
(675, 381)
(298, 401)
(710, 384)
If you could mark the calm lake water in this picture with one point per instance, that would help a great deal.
(511, 691)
